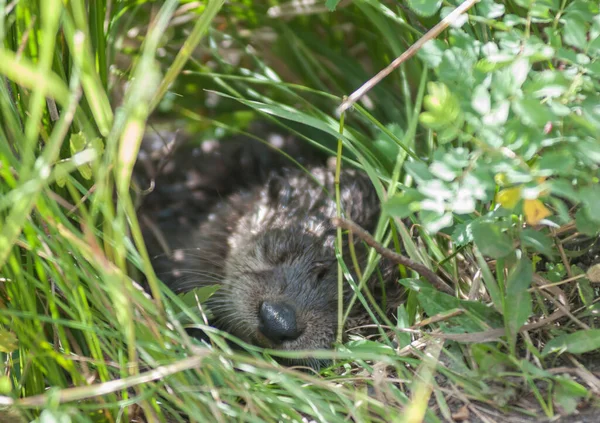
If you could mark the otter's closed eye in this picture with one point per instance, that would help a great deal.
(322, 269)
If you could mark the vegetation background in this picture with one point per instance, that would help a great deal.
(488, 140)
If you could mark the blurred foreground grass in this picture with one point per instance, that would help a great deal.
(81, 341)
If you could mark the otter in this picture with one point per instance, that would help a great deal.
(270, 246)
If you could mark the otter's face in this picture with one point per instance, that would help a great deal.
(280, 290)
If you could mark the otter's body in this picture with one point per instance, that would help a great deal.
(271, 248)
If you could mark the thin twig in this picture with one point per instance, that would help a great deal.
(412, 50)
(393, 256)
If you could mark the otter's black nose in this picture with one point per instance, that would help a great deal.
(278, 322)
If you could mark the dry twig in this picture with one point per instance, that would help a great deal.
(412, 50)
(393, 256)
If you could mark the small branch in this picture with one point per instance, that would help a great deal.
(392, 256)
(412, 50)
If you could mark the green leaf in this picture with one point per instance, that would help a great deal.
(538, 241)
(419, 171)
(331, 4)
(524, 3)
(433, 222)
(403, 204)
(424, 8)
(491, 361)
(77, 143)
(564, 188)
(490, 9)
(568, 394)
(462, 235)
(585, 224)
(559, 162)
(481, 101)
(591, 108)
(432, 52)
(591, 199)
(490, 239)
(532, 112)
(574, 32)
(443, 112)
(585, 290)
(449, 133)
(517, 303)
(478, 317)
(578, 342)
(490, 281)
(61, 173)
(199, 295)
(53, 416)
(548, 84)
(362, 346)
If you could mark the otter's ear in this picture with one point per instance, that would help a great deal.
(279, 190)
(359, 199)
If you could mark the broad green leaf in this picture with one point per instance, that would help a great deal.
(490, 239)
(432, 52)
(517, 304)
(574, 31)
(568, 394)
(585, 224)
(490, 281)
(538, 241)
(419, 171)
(462, 235)
(331, 4)
(591, 199)
(481, 101)
(564, 188)
(532, 112)
(591, 107)
(578, 342)
(491, 361)
(199, 295)
(478, 317)
(490, 9)
(559, 162)
(403, 204)
(433, 222)
(424, 8)
(548, 84)
(585, 289)
(524, 3)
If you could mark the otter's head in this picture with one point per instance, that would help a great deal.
(280, 290)
(278, 285)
